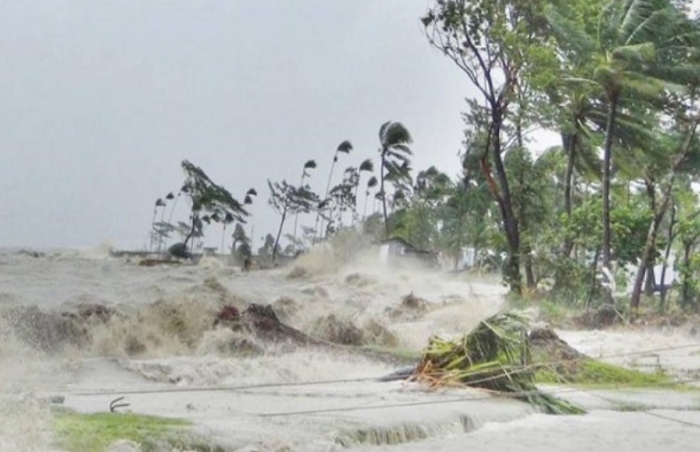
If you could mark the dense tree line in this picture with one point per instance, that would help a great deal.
(617, 81)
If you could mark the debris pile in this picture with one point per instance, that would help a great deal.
(494, 356)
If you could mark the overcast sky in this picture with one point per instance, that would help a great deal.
(100, 101)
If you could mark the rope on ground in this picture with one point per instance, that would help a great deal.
(221, 388)
(672, 419)
(346, 380)
(491, 396)
(645, 411)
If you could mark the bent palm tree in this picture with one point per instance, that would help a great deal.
(310, 164)
(154, 236)
(394, 151)
(371, 183)
(343, 148)
(368, 167)
(631, 36)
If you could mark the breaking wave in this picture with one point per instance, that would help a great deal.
(176, 324)
(165, 312)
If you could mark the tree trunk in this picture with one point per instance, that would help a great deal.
(658, 217)
(667, 253)
(223, 238)
(191, 233)
(685, 295)
(161, 239)
(355, 212)
(172, 210)
(607, 160)
(521, 215)
(381, 187)
(153, 229)
(279, 234)
(650, 279)
(529, 273)
(649, 246)
(594, 268)
(649, 274)
(296, 216)
(328, 188)
(459, 240)
(569, 142)
(527, 254)
(570, 146)
(510, 222)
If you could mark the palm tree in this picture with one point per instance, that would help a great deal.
(309, 165)
(229, 218)
(159, 203)
(367, 167)
(161, 237)
(631, 36)
(343, 148)
(371, 183)
(249, 196)
(394, 151)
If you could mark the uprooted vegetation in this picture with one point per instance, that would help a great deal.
(494, 356)
(499, 355)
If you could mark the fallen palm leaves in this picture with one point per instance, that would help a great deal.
(494, 356)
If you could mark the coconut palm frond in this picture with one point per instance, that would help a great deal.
(682, 74)
(637, 53)
(394, 133)
(494, 356)
(578, 41)
(398, 156)
(345, 147)
(160, 202)
(401, 149)
(372, 182)
(628, 14)
(310, 164)
(650, 25)
(367, 166)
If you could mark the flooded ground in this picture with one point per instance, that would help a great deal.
(91, 328)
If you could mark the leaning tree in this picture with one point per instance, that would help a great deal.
(287, 200)
(209, 202)
(395, 156)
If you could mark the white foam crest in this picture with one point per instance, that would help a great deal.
(269, 368)
(25, 422)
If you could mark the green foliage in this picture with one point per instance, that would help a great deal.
(288, 199)
(496, 356)
(614, 76)
(591, 372)
(208, 197)
(395, 156)
(210, 203)
(95, 432)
